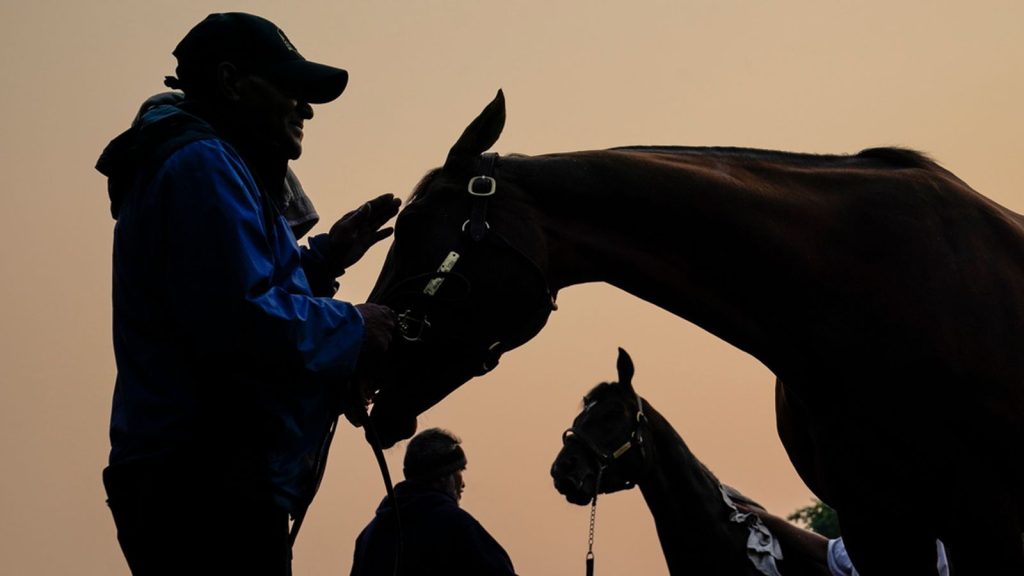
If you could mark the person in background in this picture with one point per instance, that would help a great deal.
(233, 358)
(437, 535)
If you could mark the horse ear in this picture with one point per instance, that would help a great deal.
(479, 136)
(625, 366)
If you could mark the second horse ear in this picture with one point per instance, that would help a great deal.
(625, 367)
(479, 136)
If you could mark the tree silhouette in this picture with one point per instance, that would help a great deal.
(818, 517)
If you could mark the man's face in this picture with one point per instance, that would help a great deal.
(460, 484)
(272, 118)
(453, 484)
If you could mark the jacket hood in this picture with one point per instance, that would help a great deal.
(163, 125)
(158, 131)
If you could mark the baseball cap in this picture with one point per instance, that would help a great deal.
(255, 45)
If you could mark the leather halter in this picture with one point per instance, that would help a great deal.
(414, 324)
(604, 458)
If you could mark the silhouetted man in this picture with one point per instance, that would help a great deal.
(233, 358)
(438, 537)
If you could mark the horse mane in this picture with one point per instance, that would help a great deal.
(598, 393)
(423, 184)
(904, 157)
(601, 392)
(891, 156)
(896, 157)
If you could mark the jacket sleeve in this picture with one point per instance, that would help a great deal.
(314, 264)
(238, 290)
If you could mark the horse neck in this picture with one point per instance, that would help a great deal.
(692, 520)
(696, 234)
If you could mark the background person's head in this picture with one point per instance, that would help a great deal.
(245, 71)
(434, 457)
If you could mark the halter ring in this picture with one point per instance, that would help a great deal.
(466, 223)
(407, 323)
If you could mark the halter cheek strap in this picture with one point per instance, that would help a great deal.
(481, 188)
(413, 325)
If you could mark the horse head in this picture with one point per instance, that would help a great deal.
(604, 450)
(466, 275)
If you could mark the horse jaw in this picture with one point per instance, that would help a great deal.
(389, 429)
(411, 383)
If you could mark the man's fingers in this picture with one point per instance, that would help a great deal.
(384, 199)
(384, 207)
(376, 213)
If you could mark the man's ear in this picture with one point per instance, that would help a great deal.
(228, 78)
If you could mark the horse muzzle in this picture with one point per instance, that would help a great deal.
(576, 484)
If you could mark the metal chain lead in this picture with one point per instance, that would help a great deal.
(593, 517)
(590, 540)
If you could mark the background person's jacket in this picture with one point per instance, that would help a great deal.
(439, 538)
(228, 363)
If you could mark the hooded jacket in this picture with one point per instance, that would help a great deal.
(226, 360)
(438, 538)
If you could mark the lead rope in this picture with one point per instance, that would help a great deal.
(593, 517)
(378, 453)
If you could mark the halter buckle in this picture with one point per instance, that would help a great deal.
(491, 185)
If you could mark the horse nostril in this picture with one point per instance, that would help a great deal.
(565, 484)
(561, 464)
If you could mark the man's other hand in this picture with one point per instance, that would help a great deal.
(378, 329)
(354, 233)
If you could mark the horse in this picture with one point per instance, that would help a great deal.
(620, 441)
(884, 293)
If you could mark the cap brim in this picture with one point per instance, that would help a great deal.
(309, 81)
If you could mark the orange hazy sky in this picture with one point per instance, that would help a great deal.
(830, 77)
